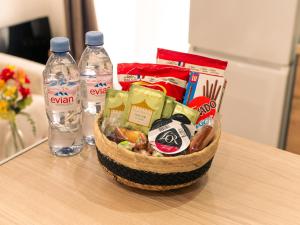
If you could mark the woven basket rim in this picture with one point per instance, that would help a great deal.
(182, 163)
(163, 159)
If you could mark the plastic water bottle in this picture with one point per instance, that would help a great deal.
(62, 97)
(96, 77)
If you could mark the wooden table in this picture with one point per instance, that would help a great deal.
(248, 183)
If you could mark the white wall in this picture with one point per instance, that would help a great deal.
(133, 29)
(17, 11)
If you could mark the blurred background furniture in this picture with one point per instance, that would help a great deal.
(29, 40)
(36, 109)
(18, 11)
(293, 140)
(25, 30)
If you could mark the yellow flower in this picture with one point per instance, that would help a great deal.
(3, 106)
(20, 76)
(2, 84)
(10, 91)
(5, 113)
(11, 67)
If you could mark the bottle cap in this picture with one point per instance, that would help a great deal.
(94, 38)
(59, 44)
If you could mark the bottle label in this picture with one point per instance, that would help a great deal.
(97, 87)
(62, 95)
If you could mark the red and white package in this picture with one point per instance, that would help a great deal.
(206, 83)
(172, 80)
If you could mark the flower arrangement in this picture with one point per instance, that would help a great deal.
(15, 95)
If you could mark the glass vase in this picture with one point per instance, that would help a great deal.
(13, 141)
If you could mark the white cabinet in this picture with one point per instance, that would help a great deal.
(258, 39)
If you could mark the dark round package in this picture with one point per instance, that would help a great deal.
(169, 137)
(181, 118)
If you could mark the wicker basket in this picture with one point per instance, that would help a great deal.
(152, 173)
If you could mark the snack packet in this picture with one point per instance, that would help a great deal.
(181, 118)
(137, 137)
(144, 105)
(168, 107)
(171, 80)
(108, 126)
(186, 121)
(190, 113)
(206, 83)
(114, 103)
(169, 137)
(204, 135)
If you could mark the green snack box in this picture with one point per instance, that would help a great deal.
(192, 114)
(168, 107)
(115, 101)
(143, 107)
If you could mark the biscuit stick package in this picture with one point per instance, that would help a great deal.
(171, 80)
(206, 83)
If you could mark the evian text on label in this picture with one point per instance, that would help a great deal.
(62, 100)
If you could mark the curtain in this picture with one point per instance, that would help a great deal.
(80, 17)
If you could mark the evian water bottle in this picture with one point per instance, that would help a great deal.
(96, 77)
(62, 97)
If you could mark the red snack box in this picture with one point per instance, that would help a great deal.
(206, 83)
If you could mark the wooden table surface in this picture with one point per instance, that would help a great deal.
(248, 183)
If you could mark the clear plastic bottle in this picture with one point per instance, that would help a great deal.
(96, 77)
(62, 98)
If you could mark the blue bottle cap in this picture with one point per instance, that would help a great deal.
(94, 38)
(59, 44)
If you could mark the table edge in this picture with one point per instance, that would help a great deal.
(23, 151)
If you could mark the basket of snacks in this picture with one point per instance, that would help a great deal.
(148, 137)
